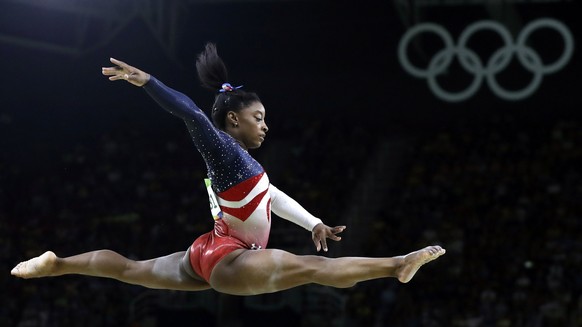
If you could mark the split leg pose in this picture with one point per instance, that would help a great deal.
(242, 272)
(233, 257)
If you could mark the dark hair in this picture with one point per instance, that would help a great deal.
(213, 74)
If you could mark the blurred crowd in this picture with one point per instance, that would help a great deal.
(127, 190)
(502, 196)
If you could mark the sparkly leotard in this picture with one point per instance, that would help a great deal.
(239, 181)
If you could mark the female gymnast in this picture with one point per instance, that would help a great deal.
(232, 258)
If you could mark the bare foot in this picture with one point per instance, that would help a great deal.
(42, 266)
(414, 260)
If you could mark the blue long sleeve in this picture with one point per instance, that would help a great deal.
(227, 162)
(203, 132)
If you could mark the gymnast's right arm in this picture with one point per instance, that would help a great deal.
(123, 71)
(171, 100)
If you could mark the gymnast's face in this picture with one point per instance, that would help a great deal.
(249, 126)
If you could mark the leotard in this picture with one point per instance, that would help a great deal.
(244, 193)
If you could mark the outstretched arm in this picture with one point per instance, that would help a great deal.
(171, 100)
(204, 134)
(285, 207)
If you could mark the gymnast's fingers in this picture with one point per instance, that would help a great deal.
(320, 238)
(118, 77)
(319, 241)
(334, 237)
(338, 229)
(109, 71)
(323, 241)
(120, 63)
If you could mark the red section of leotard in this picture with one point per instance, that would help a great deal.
(241, 189)
(245, 211)
(208, 249)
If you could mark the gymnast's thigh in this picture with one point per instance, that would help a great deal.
(248, 272)
(165, 272)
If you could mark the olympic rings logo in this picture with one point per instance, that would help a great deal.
(498, 61)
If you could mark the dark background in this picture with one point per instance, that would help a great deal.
(86, 163)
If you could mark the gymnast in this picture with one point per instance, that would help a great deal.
(233, 257)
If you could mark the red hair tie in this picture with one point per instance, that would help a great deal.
(226, 87)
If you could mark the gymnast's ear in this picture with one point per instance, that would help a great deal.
(231, 118)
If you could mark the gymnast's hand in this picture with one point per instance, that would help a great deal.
(322, 232)
(123, 71)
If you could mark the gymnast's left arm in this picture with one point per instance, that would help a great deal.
(287, 208)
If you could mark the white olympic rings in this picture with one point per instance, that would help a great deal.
(498, 61)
